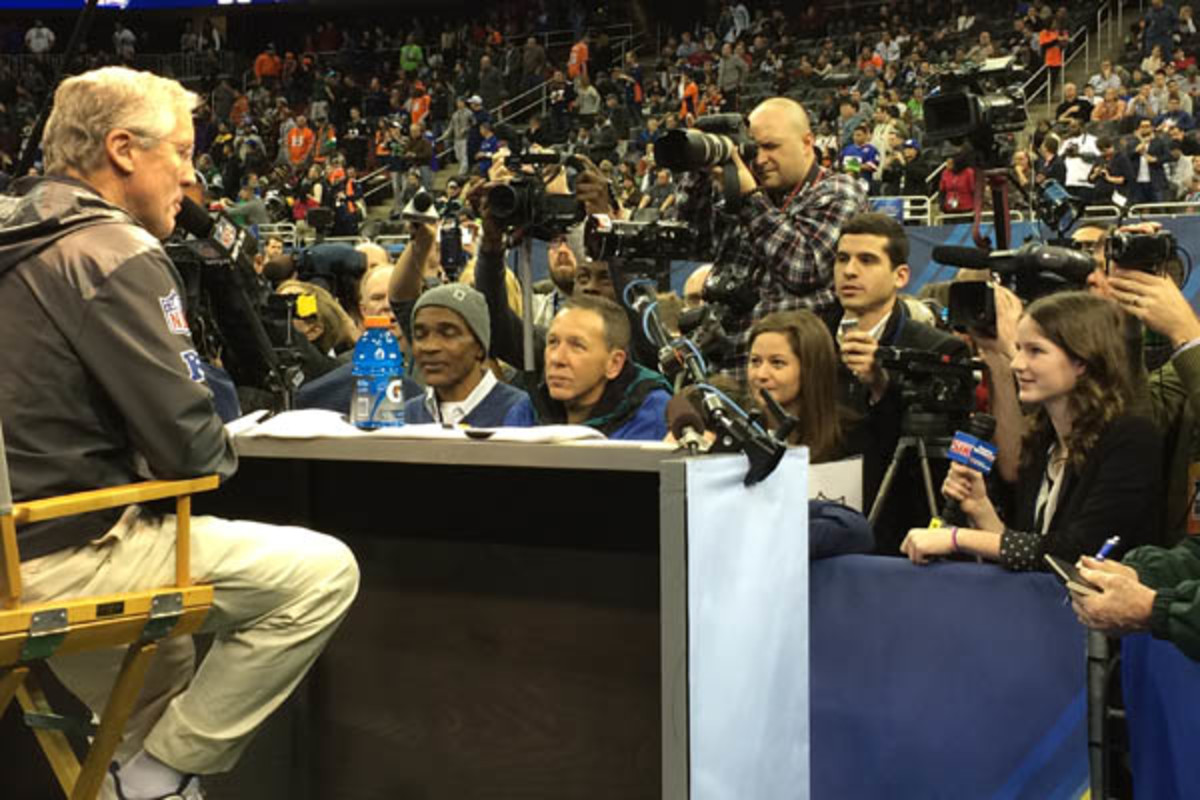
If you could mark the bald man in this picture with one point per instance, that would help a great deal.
(693, 287)
(775, 251)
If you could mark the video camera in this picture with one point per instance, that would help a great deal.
(711, 143)
(231, 313)
(1031, 271)
(977, 102)
(523, 202)
(937, 391)
(1146, 252)
(607, 239)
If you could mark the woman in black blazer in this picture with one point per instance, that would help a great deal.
(1090, 469)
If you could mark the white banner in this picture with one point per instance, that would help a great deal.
(747, 578)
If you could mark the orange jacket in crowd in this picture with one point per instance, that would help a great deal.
(239, 110)
(325, 142)
(578, 60)
(690, 102)
(1051, 42)
(418, 108)
(267, 65)
(300, 144)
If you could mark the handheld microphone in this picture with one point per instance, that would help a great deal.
(687, 426)
(971, 448)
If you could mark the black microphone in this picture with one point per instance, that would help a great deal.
(249, 354)
(194, 219)
(982, 427)
(1072, 264)
(962, 257)
(687, 426)
(232, 240)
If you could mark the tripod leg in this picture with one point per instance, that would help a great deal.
(928, 476)
(886, 485)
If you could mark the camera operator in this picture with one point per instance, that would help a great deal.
(871, 267)
(1151, 153)
(1114, 173)
(561, 265)
(1080, 153)
(583, 362)
(336, 267)
(782, 239)
(589, 278)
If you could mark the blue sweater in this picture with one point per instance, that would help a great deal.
(490, 413)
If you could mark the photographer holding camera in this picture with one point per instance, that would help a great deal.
(777, 237)
(583, 360)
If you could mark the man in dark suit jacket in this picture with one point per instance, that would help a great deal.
(1149, 154)
(870, 269)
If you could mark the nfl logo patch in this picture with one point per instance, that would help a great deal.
(172, 308)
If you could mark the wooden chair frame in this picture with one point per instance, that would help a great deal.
(138, 620)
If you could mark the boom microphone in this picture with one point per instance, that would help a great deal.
(963, 257)
(1029, 258)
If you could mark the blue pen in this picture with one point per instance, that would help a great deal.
(1108, 547)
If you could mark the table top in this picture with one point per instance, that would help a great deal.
(587, 455)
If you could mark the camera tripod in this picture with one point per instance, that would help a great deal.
(928, 435)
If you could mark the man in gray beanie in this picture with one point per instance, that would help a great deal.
(451, 332)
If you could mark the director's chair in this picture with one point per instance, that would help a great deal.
(136, 620)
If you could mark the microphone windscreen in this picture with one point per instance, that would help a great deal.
(964, 257)
(681, 414)
(194, 219)
(279, 269)
(422, 201)
(981, 426)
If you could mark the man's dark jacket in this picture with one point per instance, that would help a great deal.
(100, 382)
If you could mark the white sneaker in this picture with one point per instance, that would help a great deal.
(188, 790)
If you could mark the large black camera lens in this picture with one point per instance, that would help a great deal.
(680, 150)
(507, 201)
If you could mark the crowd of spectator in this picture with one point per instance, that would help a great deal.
(1128, 132)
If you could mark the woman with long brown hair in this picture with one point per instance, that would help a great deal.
(1091, 468)
(793, 358)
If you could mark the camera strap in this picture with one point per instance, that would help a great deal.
(809, 180)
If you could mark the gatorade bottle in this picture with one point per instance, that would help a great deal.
(377, 400)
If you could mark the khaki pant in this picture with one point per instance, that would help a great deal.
(279, 593)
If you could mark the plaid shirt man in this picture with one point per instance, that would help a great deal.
(787, 253)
